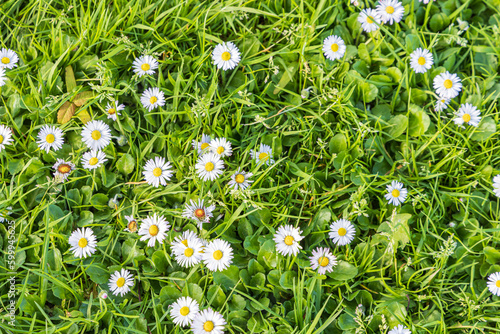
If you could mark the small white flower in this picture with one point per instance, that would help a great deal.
(342, 232)
(4, 214)
(103, 295)
(221, 147)
(287, 240)
(390, 11)
(3, 78)
(396, 193)
(447, 85)
(467, 114)
(145, 65)
(93, 159)
(120, 282)
(113, 110)
(96, 135)
(239, 180)
(50, 137)
(218, 255)
(208, 322)
(334, 47)
(62, 169)
(5, 136)
(154, 228)
(421, 60)
(264, 154)
(494, 283)
(198, 212)
(188, 250)
(226, 56)
(152, 98)
(442, 104)
(203, 145)
(369, 19)
(184, 310)
(496, 185)
(157, 171)
(209, 167)
(83, 242)
(8, 58)
(323, 260)
(131, 224)
(399, 329)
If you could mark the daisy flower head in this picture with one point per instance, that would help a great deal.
(218, 255)
(221, 147)
(208, 322)
(467, 114)
(263, 154)
(50, 137)
(96, 135)
(209, 167)
(226, 56)
(157, 171)
(342, 232)
(323, 260)
(62, 169)
(421, 60)
(494, 283)
(496, 185)
(144, 65)
(154, 228)
(112, 110)
(184, 310)
(287, 240)
(152, 98)
(390, 11)
(369, 19)
(239, 180)
(442, 104)
(188, 252)
(447, 85)
(131, 224)
(399, 329)
(198, 211)
(334, 47)
(120, 282)
(8, 58)
(203, 145)
(93, 159)
(2, 76)
(396, 193)
(82, 242)
(5, 136)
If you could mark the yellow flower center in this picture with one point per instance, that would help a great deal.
(145, 67)
(153, 100)
(208, 326)
(184, 311)
(448, 84)
(188, 252)
(153, 230)
(132, 226)
(342, 231)
(369, 20)
(209, 166)
(220, 150)
(389, 9)
(82, 243)
(323, 261)
(226, 56)
(239, 178)
(184, 242)
(93, 161)
(5, 60)
(466, 118)
(120, 282)
(199, 213)
(157, 171)
(64, 168)
(335, 47)
(421, 61)
(1, 139)
(263, 156)
(204, 146)
(395, 193)
(498, 283)
(96, 135)
(217, 255)
(50, 138)
(289, 240)
(111, 111)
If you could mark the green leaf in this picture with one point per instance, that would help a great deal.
(398, 125)
(227, 278)
(98, 273)
(126, 164)
(99, 201)
(485, 130)
(343, 271)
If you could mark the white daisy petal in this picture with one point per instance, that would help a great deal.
(96, 135)
(221, 147)
(62, 169)
(421, 60)
(226, 56)
(369, 19)
(8, 58)
(152, 98)
(120, 282)
(263, 155)
(390, 11)
(287, 240)
(184, 311)
(334, 47)
(188, 249)
(83, 242)
(218, 255)
(145, 65)
(154, 228)
(209, 167)
(442, 104)
(112, 110)
(50, 137)
(198, 212)
(323, 260)
(342, 232)
(240, 180)
(467, 114)
(208, 322)
(399, 329)
(203, 145)
(447, 85)
(131, 224)
(5, 137)
(494, 283)
(157, 171)
(3, 77)
(396, 193)
(93, 159)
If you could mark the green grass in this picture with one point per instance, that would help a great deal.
(340, 131)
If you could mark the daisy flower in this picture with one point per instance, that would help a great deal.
(287, 240)
(189, 251)
(145, 65)
(221, 147)
(131, 224)
(369, 19)
(2, 76)
(226, 56)
(184, 310)
(204, 144)
(208, 322)
(447, 85)
(342, 232)
(467, 114)
(157, 171)
(390, 11)
(239, 180)
(334, 47)
(120, 282)
(396, 193)
(50, 137)
(494, 283)
(198, 212)
(399, 329)
(218, 255)
(323, 260)
(442, 104)
(96, 135)
(152, 98)
(154, 228)
(5, 137)
(83, 242)
(8, 58)
(93, 159)
(264, 154)
(62, 169)
(113, 110)
(496, 185)
(421, 60)
(209, 167)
